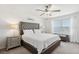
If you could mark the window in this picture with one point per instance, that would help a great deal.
(61, 26)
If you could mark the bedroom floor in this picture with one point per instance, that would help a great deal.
(64, 48)
(67, 48)
(18, 50)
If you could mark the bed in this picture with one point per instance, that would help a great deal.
(39, 42)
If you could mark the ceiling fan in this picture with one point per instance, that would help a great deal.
(46, 10)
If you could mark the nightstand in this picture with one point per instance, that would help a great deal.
(13, 42)
(64, 38)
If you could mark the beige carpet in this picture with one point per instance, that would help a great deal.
(64, 48)
(18, 50)
(67, 48)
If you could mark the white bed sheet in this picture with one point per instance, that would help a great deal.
(40, 40)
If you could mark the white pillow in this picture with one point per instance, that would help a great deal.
(37, 31)
(28, 32)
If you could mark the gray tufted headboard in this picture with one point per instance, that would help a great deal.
(27, 26)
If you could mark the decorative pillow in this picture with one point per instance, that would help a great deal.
(28, 31)
(38, 31)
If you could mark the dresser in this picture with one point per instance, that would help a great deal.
(13, 42)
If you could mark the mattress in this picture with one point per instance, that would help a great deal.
(40, 40)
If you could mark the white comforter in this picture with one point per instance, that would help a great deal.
(40, 40)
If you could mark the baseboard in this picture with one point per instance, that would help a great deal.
(2, 49)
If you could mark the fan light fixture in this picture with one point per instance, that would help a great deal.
(47, 11)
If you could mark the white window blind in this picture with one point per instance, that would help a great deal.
(61, 26)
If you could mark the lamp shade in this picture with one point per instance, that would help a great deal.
(13, 26)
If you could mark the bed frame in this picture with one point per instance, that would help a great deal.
(27, 26)
(28, 46)
(32, 26)
(48, 50)
(51, 47)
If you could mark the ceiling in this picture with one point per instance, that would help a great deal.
(29, 10)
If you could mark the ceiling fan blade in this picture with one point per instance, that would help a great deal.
(40, 10)
(42, 14)
(55, 10)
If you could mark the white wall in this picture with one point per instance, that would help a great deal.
(47, 25)
(74, 30)
(6, 31)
